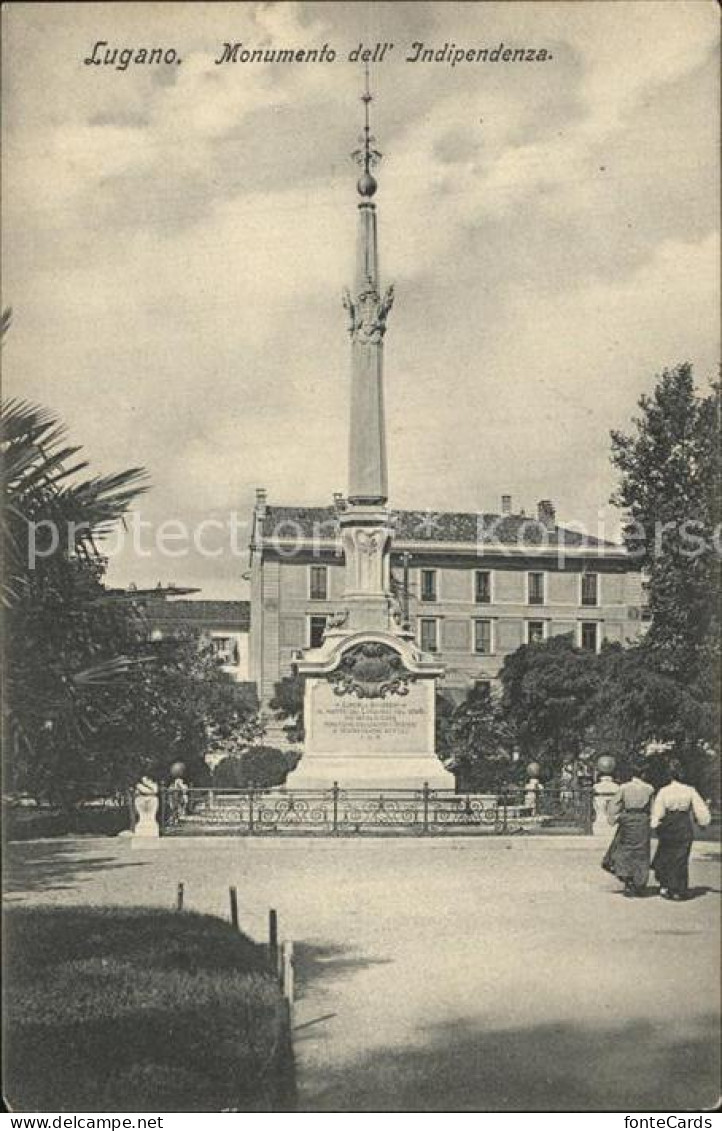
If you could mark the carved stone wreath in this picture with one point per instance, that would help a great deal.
(371, 671)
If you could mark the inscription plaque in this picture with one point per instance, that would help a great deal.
(395, 725)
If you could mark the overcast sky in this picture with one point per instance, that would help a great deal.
(177, 238)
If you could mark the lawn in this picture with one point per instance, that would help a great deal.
(118, 1009)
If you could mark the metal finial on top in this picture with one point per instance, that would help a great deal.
(367, 157)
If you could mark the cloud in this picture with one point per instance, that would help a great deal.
(175, 250)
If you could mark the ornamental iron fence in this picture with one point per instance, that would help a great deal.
(350, 812)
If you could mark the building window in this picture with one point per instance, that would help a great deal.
(534, 631)
(225, 649)
(482, 687)
(589, 636)
(429, 635)
(428, 585)
(318, 583)
(482, 637)
(317, 627)
(221, 648)
(482, 591)
(590, 588)
(536, 588)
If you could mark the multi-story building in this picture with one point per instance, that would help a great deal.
(223, 625)
(473, 587)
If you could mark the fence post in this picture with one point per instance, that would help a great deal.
(273, 938)
(179, 898)
(335, 806)
(250, 810)
(426, 806)
(588, 810)
(504, 801)
(234, 906)
(131, 808)
(287, 978)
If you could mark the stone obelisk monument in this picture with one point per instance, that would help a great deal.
(369, 691)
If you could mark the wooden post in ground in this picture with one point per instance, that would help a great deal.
(234, 906)
(288, 980)
(179, 898)
(273, 938)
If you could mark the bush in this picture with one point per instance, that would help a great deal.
(113, 1009)
(22, 822)
(287, 702)
(260, 767)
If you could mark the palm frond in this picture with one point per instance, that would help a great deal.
(22, 419)
(107, 671)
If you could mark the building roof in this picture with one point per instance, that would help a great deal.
(132, 593)
(456, 527)
(199, 614)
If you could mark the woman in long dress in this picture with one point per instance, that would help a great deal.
(627, 857)
(676, 809)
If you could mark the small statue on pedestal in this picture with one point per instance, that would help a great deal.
(533, 787)
(177, 793)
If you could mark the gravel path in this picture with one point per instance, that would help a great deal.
(449, 975)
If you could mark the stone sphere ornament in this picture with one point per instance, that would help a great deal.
(178, 770)
(366, 185)
(606, 764)
(533, 769)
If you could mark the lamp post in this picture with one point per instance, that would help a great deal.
(406, 561)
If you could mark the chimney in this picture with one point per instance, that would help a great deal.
(506, 504)
(339, 502)
(546, 513)
(261, 498)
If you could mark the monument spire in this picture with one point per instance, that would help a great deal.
(369, 691)
(368, 311)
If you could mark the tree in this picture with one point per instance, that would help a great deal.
(69, 655)
(178, 705)
(671, 478)
(478, 741)
(65, 640)
(444, 714)
(548, 697)
(637, 704)
(50, 516)
(91, 702)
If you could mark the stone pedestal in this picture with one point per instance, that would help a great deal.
(146, 809)
(604, 790)
(532, 791)
(374, 772)
(369, 716)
